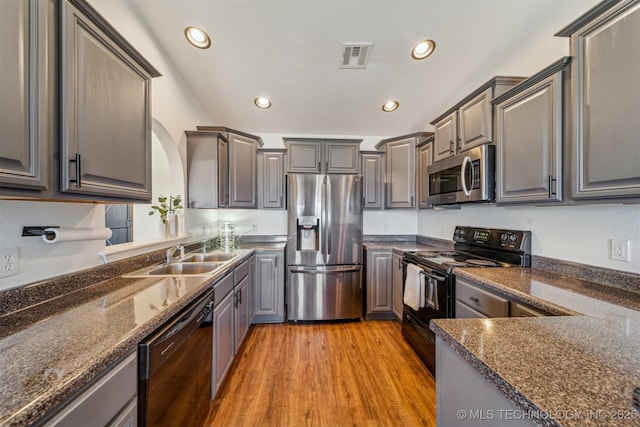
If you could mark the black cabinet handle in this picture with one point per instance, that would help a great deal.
(474, 299)
(551, 181)
(78, 162)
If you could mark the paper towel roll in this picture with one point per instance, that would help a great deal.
(75, 234)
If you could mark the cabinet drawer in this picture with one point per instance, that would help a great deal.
(105, 399)
(222, 288)
(240, 272)
(519, 310)
(485, 302)
(463, 311)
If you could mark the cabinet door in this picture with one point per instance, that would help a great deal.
(445, 137)
(397, 285)
(379, 285)
(475, 122)
(223, 340)
(425, 158)
(252, 287)
(269, 288)
(341, 157)
(24, 82)
(271, 168)
(106, 134)
(606, 148)
(243, 162)
(529, 144)
(223, 173)
(304, 157)
(242, 299)
(400, 174)
(373, 180)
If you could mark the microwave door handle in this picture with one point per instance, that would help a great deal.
(465, 163)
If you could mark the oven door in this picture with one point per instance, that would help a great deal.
(437, 292)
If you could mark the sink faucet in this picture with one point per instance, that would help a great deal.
(171, 253)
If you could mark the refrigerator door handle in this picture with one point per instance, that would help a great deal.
(323, 219)
(329, 208)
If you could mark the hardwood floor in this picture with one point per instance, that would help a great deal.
(336, 374)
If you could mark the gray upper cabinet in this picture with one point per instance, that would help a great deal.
(105, 92)
(424, 159)
(373, 179)
(529, 138)
(241, 187)
(400, 168)
(243, 171)
(606, 93)
(26, 68)
(446, 136)
(271, 179)
(470, 122)
(207, 169)
(474, 121)
(319, 156)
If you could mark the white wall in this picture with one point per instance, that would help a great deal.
(573, 233)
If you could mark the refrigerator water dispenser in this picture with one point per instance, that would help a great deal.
(308, 233)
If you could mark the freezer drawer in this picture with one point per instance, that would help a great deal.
(325, 293)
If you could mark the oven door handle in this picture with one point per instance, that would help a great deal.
(433, 276)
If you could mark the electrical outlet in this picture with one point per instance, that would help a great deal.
(254, 227)
(620, 250)
(9, 262)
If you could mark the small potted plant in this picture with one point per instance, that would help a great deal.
(166, 208)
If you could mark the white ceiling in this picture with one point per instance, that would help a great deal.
(289, 50)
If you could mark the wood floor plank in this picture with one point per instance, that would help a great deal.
(329, 374)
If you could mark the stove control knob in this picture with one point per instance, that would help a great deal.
(513, 238)
(503, 237)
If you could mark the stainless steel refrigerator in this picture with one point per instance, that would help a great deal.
(324, 247)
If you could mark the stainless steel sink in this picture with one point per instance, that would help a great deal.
(184, 268)
(208, 257)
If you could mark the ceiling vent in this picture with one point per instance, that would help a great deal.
(355, 55)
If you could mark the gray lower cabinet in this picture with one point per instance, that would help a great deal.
(606, 144)
(110, 401)
(379, 285)
(271, 179)
(26, 70)
(424, 159)
(207, 166)
(105, 94)
(320, 156)
(530, 138)
(372, 170)
(223, 337)
(241, 302)
(398, 285)
(268, 287)
(252, 281)
(460, 389)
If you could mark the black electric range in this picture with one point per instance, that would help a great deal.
(473, 247)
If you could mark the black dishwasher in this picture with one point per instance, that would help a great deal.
(174, 371)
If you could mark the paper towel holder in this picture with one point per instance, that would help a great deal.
(38, 230)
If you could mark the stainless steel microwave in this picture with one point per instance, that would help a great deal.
(467, 177)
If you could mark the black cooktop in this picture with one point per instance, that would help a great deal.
(479, 247)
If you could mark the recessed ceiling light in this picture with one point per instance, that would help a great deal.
(390, 106)
(197, 37)
(262, 102)
(423, 49)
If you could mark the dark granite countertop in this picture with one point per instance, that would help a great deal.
(400, 246)
(588, 363)
(50, 350)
